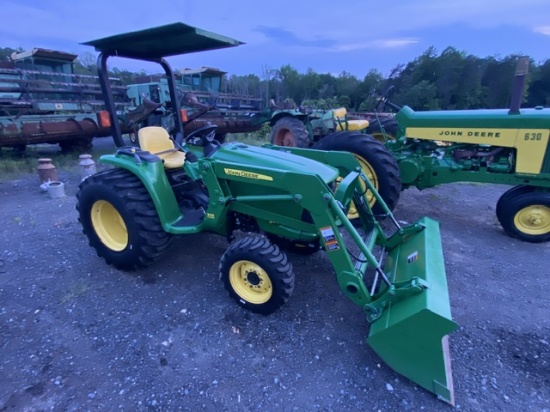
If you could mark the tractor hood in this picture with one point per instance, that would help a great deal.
(537, 118)
(253, 156)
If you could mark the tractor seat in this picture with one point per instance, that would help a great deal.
(341, 117)
(156, 140)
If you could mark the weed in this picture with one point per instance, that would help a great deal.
(75, 290)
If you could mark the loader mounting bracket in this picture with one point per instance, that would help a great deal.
(393, 293)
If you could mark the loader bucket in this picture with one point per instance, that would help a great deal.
(410, 336)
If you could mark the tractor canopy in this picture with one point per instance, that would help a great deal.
(154, 45)
(163, 41)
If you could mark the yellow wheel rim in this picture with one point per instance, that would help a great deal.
(533, 220)
(284, 138)
(109, 225)
(250, 282)
(371, 174)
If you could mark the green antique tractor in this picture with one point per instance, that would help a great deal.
(503, 146)
(334, 130)
(260, 199)
(430, 148)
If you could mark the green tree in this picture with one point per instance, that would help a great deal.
(6, 52)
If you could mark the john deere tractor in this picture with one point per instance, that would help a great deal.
(261, 198)
(334, 130)
(504, 146)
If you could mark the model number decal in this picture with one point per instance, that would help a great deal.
(532, 136)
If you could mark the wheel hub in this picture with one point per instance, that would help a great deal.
(253, 278)
(534, 220)
(109, 225)
(250, 282)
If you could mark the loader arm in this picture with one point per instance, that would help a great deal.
(403, 291)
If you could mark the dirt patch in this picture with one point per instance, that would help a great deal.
(77, 334)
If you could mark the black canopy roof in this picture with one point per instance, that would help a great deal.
(162, 41)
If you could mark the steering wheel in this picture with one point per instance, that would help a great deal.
(203, 136)
(385, 101)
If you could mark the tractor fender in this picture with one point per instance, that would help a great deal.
(294, 113)
(151, 173)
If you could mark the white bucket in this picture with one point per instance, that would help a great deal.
(56, 190)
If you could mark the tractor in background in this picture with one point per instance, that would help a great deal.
(499, 146)
(264, 200)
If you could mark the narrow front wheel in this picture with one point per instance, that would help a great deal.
(257, 274)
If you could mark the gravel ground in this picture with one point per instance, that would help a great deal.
(78, 335)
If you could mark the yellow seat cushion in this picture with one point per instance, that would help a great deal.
(354, 125)
(156, 140)
(340, 115)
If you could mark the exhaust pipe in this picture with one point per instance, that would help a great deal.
(522, 68)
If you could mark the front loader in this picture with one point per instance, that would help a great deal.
(265, 200)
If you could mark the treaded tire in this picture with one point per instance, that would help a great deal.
(123, 193)
(390, 128)
(509, 194)
(526, 216)
(257, 274)
(289, 131)
(374, 155)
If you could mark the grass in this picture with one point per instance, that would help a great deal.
(14, 164)
(252, 139)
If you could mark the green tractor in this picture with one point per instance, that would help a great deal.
(503, 146)
(334, 130)
(264, 200)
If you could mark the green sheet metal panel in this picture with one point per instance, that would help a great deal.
(157, 42)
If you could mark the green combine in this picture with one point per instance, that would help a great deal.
(265, 201)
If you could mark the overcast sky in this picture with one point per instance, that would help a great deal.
(327, 36)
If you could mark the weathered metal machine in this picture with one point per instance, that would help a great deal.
(43, 101)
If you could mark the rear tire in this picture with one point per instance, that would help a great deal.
(257, 274)
(290, 131)
(390, 128)
(377, 163)
(120, 219)
(526, 216)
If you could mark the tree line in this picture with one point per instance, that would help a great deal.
(450, 80)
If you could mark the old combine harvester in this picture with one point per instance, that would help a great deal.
(177, 184)
(43, 101)
(199, 92)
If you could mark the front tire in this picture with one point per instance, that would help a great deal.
(377, 163)
(290, 131)
(120, 219)
(526, 216)
(257, 274)
(508, 195)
